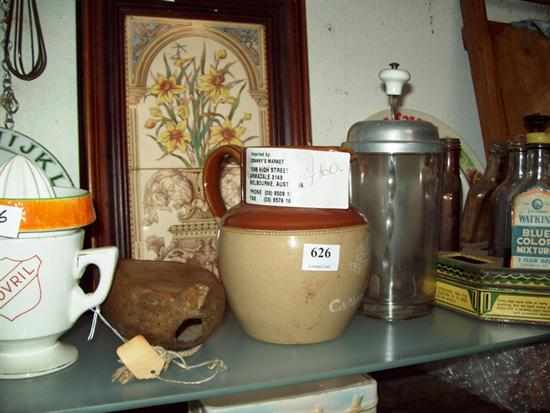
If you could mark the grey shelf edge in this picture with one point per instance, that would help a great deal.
(368, 345)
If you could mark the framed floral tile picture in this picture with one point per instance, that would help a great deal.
(163, 84)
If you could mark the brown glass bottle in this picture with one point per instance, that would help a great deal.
(476, 222)
(517, 167)
(451, 196)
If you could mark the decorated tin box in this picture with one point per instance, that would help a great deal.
(351, 394)
(480, 286)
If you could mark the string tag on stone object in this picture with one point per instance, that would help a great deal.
(140, 358)
(136, 354)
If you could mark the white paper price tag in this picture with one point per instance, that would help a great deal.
(321, 257)
(10, 221)
(302, 178)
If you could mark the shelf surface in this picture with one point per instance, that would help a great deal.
(367, 345)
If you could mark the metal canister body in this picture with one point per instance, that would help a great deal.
(395, 183)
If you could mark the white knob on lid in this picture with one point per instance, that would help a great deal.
(394, 79)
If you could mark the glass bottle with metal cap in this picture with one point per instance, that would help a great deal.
(530, 206)
(395, 182)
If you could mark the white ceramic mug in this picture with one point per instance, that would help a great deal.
(40, 298)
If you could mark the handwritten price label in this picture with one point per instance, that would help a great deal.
(300, 178)
(10, 221)
(321, 257)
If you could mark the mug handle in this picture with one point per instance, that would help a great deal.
(212, 175)
(106, 259)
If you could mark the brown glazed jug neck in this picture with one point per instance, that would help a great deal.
(284, 218)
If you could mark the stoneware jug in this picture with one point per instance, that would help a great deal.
(293, 274)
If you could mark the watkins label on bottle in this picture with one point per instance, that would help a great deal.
(531, 230)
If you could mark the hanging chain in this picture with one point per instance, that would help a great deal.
(7, 98)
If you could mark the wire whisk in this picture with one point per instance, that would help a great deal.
(18, 59)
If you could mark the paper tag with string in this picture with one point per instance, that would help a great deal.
(140, 358)
(151, 369)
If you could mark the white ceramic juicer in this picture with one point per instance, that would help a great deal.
(40, 267)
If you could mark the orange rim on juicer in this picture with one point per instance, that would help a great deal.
(72, 209)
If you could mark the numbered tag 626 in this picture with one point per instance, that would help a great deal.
(321, 257)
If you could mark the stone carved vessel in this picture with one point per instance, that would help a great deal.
(172, 304)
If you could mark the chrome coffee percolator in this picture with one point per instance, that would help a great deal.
(395, 183)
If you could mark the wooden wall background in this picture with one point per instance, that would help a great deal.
(510, 70)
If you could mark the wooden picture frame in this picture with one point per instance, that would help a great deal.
(104, 91)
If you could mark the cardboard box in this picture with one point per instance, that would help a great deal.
(481, 287)
(351, 394)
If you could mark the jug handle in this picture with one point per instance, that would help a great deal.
(212, 175)
(105, 258)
